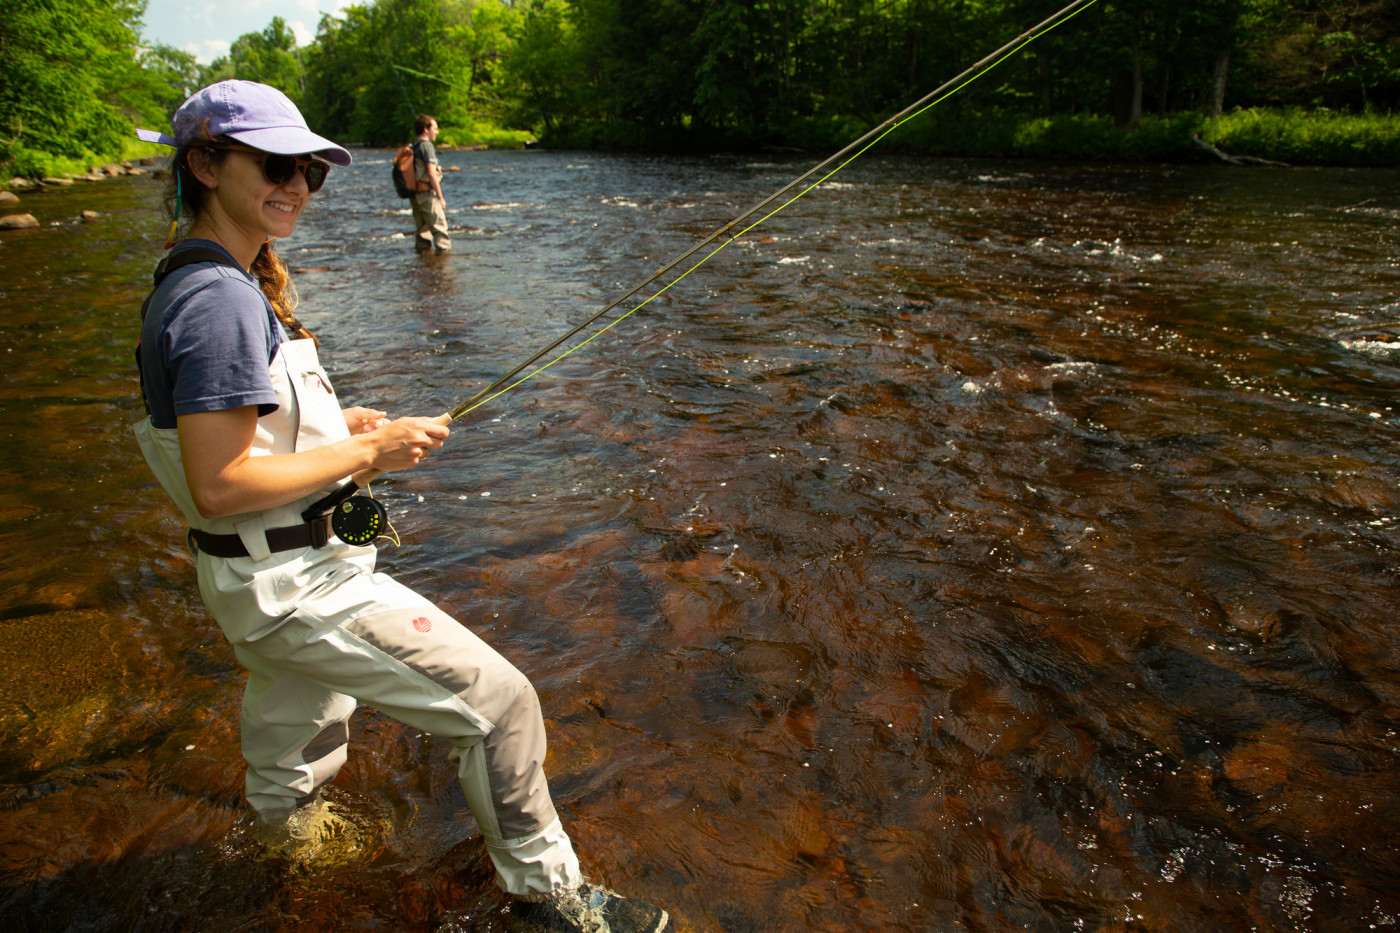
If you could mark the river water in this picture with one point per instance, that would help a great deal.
(974, 546)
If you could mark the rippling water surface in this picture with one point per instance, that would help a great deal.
(973, 546)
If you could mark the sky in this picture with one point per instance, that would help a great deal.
(207, 28)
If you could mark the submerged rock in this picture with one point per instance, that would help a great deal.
(18, 222)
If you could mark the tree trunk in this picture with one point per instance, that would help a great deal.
(1047, 81)
(1215, 98)
(1135, 107)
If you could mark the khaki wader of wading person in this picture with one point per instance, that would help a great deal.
(245, 434)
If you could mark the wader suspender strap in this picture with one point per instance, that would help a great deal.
(169, 264)
(315, 533)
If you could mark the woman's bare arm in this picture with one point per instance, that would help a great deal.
(226, 479)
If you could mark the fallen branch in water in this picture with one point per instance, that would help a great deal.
(1232, 159)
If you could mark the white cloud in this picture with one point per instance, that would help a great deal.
(207, 28)
(298, 28)
(205, 52)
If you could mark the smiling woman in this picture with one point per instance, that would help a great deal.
(246, 436)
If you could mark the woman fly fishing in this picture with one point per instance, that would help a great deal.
(245, 434)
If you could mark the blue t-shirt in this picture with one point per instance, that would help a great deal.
(207, 342)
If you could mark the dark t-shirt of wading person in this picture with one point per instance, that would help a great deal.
(424, 154)
(207, 342)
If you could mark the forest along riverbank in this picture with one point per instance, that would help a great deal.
(978, 544)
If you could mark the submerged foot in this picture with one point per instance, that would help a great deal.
(589, 908)
(311, 836)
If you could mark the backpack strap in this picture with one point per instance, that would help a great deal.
(420, 181)
(172, 261)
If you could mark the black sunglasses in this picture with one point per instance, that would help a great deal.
(279, 169)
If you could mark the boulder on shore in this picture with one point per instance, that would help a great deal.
(19, 183)
(18, 222)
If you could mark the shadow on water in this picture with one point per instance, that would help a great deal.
(975, 546)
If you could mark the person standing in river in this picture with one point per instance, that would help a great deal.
(245, 433)
(429, 207)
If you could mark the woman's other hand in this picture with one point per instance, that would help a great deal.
(364, 420)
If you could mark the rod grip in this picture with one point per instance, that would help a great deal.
(365, 477)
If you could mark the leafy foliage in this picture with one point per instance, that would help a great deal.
(71, 85)
(270, 57)
(1125, 79)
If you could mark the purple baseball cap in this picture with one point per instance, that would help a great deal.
(254, 114)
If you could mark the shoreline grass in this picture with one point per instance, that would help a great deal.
(1295, 137)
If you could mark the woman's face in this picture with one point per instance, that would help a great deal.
(241, 197)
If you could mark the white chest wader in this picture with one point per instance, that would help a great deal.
(319, 630)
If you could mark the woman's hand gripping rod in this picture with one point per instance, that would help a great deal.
(356, 482)
(365, 477)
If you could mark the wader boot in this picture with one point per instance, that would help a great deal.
(589, 908)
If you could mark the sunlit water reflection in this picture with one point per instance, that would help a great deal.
(973, 546)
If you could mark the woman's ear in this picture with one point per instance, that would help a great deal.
(201, 165)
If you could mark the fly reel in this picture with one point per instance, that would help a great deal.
(359, 520)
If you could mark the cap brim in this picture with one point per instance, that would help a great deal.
(293, 140)
(151, 136)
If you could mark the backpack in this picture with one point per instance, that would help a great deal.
(406, 182)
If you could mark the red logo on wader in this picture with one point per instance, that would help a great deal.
(422, 624)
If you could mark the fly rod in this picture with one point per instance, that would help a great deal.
(731, 231)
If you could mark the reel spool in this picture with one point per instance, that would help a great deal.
(359, 520)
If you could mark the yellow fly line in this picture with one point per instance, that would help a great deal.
(848, 155)
(844, 157)
(499, 387)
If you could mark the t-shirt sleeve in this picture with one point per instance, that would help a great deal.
(218, 348)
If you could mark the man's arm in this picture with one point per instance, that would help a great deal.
(435, 178)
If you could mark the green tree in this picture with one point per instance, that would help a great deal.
(373, 69)
(70, 84)
(178, 73)
(550, 80)
(270, 57)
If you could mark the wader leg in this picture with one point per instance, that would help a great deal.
(499, 754)
(420, 666)
(441, 241)
(294, 735)
(422, 205)
(429, 223)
